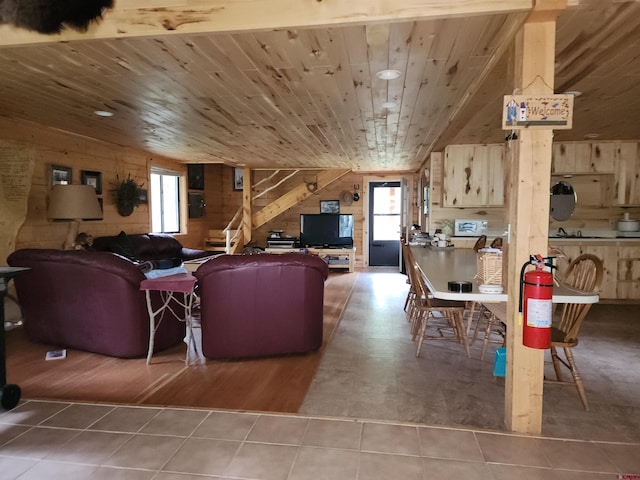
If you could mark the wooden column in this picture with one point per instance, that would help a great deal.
(528, 164)
(246, 206)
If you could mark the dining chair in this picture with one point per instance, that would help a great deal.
(407, 257)
(494, 330)
(445, 317)
(413, 295)
(584, 273)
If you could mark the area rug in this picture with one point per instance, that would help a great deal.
(277, 384)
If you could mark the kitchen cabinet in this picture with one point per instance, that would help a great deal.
(627, 174)
(621, 260)
(583, 157)
(473, 176)
(628, 284)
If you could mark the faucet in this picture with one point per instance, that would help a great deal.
(562, 231)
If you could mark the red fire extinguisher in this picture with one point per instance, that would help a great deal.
(536, 290)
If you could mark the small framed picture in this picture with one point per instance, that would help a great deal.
(237, 179)
(196, 204)
(60, 175)
(92, 178)
(195, 175)
(329, 206)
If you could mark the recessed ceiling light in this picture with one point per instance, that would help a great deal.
(591, 136)
(388, 104)
(103, 113)
(388, 74)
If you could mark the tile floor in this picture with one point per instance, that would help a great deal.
(369, 370)
(381, 414)
(69, 441)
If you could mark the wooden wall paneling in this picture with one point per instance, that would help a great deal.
(79, 153)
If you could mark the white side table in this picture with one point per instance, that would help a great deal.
(169, 288)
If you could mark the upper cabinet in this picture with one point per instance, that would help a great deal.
(627, 180)
(583, 157)
(618, 160)
(607, 172)
(473, 176)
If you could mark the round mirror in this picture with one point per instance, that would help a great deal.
(563, 201)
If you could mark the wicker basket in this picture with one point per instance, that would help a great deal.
(489, 268)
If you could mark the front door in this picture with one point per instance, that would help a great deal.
(385, 208)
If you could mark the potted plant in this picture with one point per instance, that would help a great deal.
(127, 195)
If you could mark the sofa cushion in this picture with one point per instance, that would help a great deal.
(165, 246)
(122, 245)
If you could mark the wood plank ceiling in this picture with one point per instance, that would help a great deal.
(310, 98)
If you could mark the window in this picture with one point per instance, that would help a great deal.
(386, 211)
(165, 201)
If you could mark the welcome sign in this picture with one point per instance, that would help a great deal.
(551, 111)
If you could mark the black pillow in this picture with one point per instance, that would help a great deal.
(122, 245)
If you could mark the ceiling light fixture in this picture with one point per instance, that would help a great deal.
(388, 74)
(103, 113)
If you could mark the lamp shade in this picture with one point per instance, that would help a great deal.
(74, 202)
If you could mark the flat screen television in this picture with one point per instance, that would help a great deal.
(326, 230)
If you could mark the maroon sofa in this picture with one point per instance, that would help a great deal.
(261, 305)
(148, 246)
(90, 301)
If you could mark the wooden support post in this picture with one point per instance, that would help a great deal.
(528, 175)
(246, 205)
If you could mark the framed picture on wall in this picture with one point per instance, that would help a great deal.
(196, 205)
(329, 206)
(60, 175)
(237, 179)
(195, 175)
(92, 178)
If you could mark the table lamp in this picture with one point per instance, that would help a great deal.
(74, 203)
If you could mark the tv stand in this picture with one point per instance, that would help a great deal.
(337, 258)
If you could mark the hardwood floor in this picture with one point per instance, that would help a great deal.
(276, 384)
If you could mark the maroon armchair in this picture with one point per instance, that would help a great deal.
(88, 301)
(261, 305)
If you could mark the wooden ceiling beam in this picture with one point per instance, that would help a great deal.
(135, 18)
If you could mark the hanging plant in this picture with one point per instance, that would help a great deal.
(128, 195)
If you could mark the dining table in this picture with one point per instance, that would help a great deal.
(441, 265)
(524, 366)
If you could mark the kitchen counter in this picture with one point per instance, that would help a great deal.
(595, 240)
(469, 242)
